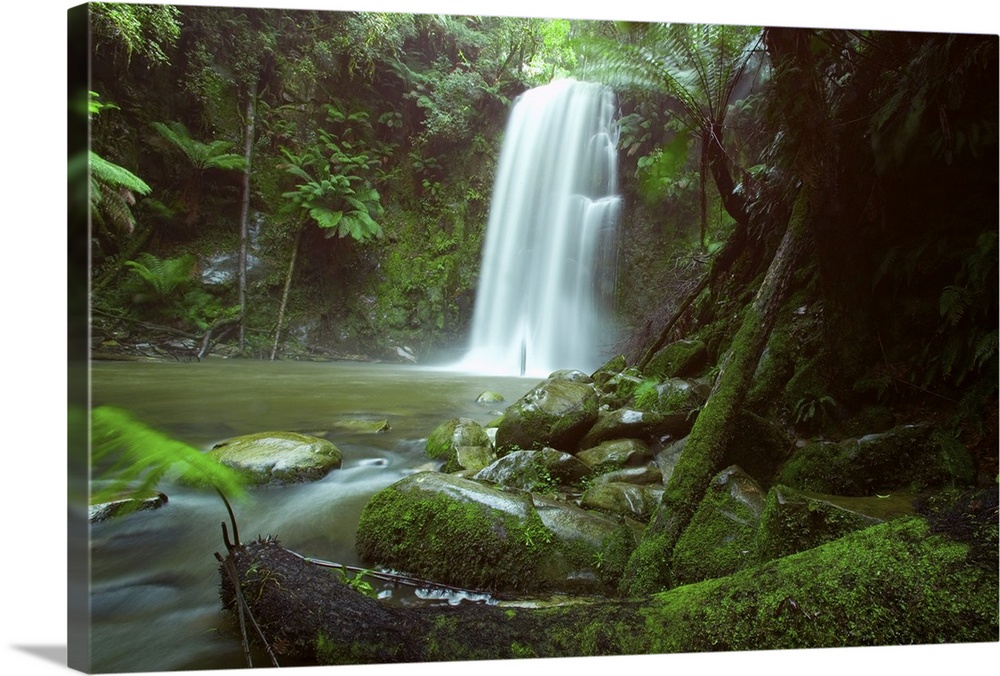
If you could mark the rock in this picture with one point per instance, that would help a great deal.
(719, 539)
(361, 425)
(536, 471)
(619, 497)
(474, 458)
(758, 446)
(572, 375)
(673, 395)
(628, 423)
(793, 521)
(613, 367)
(463, 533)
(556, 413)
(617, 391)
(641, 476)
(910, 457)
(489, 397)
(667, 459)
(682, 359)
(278, 457)
(108, 510)
(615, 454)
(444, 442)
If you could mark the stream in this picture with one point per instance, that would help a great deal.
(154, 591)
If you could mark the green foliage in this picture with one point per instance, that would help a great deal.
(167, 288)
(146, 30)
(358, 583)
(131, 457)
(202, 156)
(112, 191)
(335, 174)
(163, 276)
(812, 408)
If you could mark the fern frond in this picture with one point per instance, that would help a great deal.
(134, 457)
(108, 173)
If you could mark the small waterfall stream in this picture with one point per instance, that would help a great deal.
(547, 273)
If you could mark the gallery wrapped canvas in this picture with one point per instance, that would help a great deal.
(420, 338)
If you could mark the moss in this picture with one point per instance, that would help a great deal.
(887, 585)
(719, 539)
(418, 530)
(681, 359)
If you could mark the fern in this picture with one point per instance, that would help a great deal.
(133, 458)
(203, 156)
(163, 276)
(111, 192)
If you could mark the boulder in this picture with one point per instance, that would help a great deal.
(615, 454)
(623, 498)
(555, 413)
(629, 423)
(719, 539)
(909, 457)
(103, 511)
(537, 471)
(461, 532)
(611, 368)
(278, 457)
(444, 442)
(681, 359)
(794, 521)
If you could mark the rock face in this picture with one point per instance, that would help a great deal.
(464, 533)
(556, 413)
(278, 457)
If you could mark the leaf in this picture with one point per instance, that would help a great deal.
(326, 218)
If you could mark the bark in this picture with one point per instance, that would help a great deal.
(284, 293)
(706, 446)
(245, 207)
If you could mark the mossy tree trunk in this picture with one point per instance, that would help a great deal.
(706, 446)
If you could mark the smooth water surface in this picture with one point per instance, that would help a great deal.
(154, 594)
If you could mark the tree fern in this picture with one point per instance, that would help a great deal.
(111, 193)
(203, 156)
(132, 458)
(163, 276)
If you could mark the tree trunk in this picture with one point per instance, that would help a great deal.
(284, 294)
(706, 445)
(245, 208)
(297, 613)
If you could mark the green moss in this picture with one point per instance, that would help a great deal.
(681, 359)
(887, 585)
(418, 531)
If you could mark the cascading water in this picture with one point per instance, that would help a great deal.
(548, 266)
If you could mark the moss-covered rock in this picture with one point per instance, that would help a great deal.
(913, 457)
(615, 454)
(556, 413)
(611, 368)
(461, 532)
(759, 446)
(444, 442)
(618, 390)
(793, 521)
(278, 457)
(102, 511)
(719, 539)
(681, 359)
(623, 498)
(634, 424)
(537, 471)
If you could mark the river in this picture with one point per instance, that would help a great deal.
(154, 592)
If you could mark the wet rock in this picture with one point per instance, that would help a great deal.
(910, 457)
(641, 476)
(615, 454)
(278, 457)
(489, 397)
(474, 458)
(613, 367)
(628, 423)
(619, 497)
(536, 471)
(444, 442)
(681, 359)
(108, 510)
(667, 459)
(555, 413)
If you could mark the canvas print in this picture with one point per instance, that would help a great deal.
(415, 338)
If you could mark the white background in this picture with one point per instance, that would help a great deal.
(33, 329)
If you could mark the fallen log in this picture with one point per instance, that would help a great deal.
(892, 584)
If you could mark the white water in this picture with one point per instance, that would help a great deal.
(548, 265)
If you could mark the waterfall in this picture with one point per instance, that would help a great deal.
(547, 275)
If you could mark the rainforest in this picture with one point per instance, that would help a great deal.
(489, 337)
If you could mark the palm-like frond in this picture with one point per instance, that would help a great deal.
(212, 155)
(111, 192)
(135, 457)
